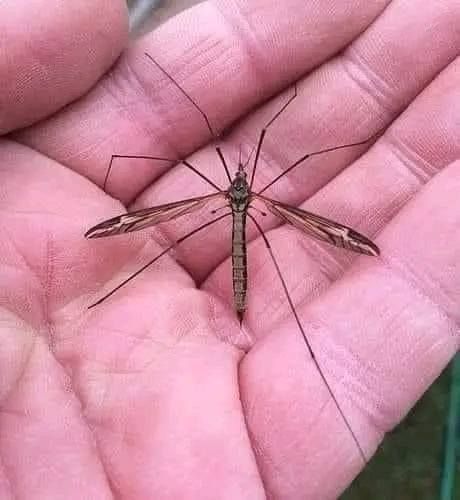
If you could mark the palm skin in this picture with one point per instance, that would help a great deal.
(157, 393)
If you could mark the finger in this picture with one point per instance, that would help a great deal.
(366, 196)
(382, 335)
(53, 52)
(227, 56)
(328, 96)
(41, 418)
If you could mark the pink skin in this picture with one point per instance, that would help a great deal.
(156, 393)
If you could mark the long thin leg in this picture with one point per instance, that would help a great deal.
(305, 338)
(224, 163)
(264, 131)
(144, 157)
(214, 136)
(166, 250)
(308, 155)
(188, 97)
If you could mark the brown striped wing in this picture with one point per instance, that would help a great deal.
(321, 228)
(140, 219)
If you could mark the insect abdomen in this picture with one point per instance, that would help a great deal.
(239, 263)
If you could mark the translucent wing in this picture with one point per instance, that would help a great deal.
(321, 228)
(140, 219)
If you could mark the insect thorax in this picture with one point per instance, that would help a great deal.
(239, 192)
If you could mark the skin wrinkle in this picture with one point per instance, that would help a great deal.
(138, 339)
(90, 427)
(5, 478)
(26, 306)
(251, 51)
(129, 73)
(355, 388)
(341, 356)
(322, 328)
(418, 168)
(382, 115)
(171, 127)
(370, 83)
(416, 285)
(252, 442)
(22, 257)
(419, 292)
(105, 466)
(46, 287)
(85, 152)
(244, 340)
(262, 459)
(208, 44)
(19, 377)
(35, 273)
(123, 365)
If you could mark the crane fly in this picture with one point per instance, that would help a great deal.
(239, 198)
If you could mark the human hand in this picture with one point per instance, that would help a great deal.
(156, 393)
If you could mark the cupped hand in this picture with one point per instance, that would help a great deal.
(157, 392)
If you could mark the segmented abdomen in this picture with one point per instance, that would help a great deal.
(239, 263)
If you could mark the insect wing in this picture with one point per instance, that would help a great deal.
(321, 228)
(140, 219)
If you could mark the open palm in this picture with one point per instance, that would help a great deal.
(157, 392)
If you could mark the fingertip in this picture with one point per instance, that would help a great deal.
(55, 51)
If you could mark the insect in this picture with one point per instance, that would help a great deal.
(239, 198)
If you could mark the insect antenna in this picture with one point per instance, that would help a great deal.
(305, 338)
(214, 135)
(152, 261)
(249, 158)
(264, 131)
